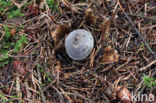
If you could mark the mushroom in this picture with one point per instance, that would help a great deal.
(79, 44)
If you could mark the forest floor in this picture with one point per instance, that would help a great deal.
(34, 65)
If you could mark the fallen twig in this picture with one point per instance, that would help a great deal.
(137, 31)
(146, 67)
(40, 88)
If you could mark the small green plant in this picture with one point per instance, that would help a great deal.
(4, 4)
(142, 45)
(19, 43)
(4, 59)
(52, 5)
(6, 45)
(48, 78)
(7, 33)
(148, 81)
(11, 11)
(15, 13)
(2, 98)
(6, 42)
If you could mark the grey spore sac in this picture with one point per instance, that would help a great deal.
(79, 44)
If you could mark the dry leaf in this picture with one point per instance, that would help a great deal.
(13, 31)
(79, 101)
(66, 75)
(89, 17)
(58, 69)
(59, 32)
(105, 29)
(33, 10)
(110, 55)
(124, 94)
(19, 67)
(92, 58)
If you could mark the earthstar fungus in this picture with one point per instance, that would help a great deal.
(79, 44)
